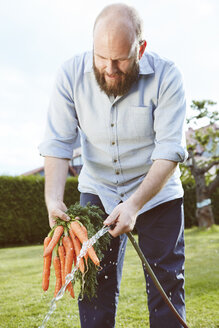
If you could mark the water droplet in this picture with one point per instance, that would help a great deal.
(170, 293)
(155, 310)
(148, 291)
(95, 308)
(110, 249)
(106, 277)
(116, 263)
(155, 264)
(148, 284)
(170, 298)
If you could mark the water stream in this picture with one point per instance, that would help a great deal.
(70, 276)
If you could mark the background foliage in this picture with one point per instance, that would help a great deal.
(23, 214)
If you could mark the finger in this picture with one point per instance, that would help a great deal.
(120, 228)
(113, 233)
(51, 222)
(116, 231)
(111, 219)
(60, 214)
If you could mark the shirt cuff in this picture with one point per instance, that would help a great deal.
(175, 153)
(56, 148)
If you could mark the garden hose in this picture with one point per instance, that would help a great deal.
(154, 279)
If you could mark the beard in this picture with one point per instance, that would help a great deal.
(121, 85)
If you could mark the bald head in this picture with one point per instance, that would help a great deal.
(117, 48)
(121, 17)
(117, 30)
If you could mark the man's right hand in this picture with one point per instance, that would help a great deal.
(56, 171)
(57, 210)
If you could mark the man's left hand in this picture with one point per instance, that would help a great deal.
(123, 217)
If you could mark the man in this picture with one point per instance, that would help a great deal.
(129, 107)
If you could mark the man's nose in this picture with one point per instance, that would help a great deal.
(111, 67)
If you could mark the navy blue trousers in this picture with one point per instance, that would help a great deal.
(161, 239)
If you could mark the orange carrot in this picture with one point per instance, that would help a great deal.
(55, 238)
(46, 266)
(85, 231)
(71, 290)
(82, 236)
(57, 267)
(77, 247)
(69, 248)
(61, 252)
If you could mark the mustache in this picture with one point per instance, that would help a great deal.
(119, 73)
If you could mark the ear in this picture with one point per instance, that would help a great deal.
(142, 48)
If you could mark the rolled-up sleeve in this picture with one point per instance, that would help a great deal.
(61, 135)
(169, 118)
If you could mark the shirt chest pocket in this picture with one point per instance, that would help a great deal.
(138, 122)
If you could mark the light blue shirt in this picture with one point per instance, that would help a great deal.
(120, 138)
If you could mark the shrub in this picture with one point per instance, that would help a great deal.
(23, 214)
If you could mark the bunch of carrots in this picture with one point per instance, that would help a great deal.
(63, 245)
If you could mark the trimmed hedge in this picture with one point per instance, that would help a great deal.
(23, 214)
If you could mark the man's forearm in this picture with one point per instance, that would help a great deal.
(125, 214)
(56, 171)
(160, 171)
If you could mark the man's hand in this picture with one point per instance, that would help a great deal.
(57, 210)
(125, 214)
(56, 171)
(124, 217)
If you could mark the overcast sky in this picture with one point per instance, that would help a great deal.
(36, 36)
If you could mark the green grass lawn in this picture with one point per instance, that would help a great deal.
(23, 304)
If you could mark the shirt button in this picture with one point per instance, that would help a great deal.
(113, 142)
(115, 160)
(112, 124)
(117, 172)
(122, 195)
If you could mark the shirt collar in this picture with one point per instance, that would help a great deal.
(145, 67)
(88, 62)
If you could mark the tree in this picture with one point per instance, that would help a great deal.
(203, 150)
